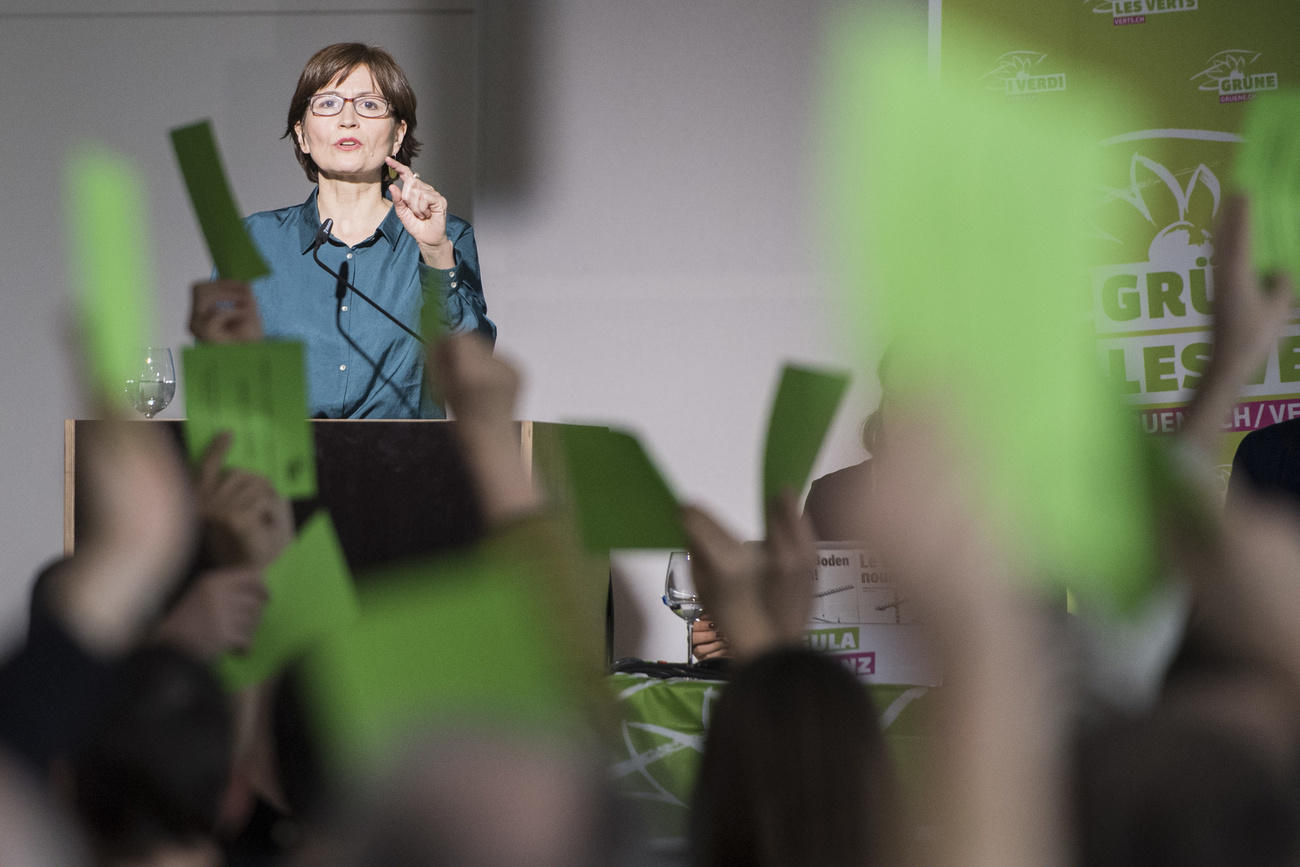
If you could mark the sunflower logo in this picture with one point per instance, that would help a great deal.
(1226, 66)
(1176, 215)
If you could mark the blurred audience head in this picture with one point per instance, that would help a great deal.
(1187, 786)
(152, 777)
(488, 800)
(794, 769)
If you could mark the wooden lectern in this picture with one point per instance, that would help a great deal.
(397, 490)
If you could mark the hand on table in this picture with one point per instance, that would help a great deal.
(707, 641)
(761, 594)
(423, 211)
(245, 522)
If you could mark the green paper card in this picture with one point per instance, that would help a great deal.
(459, 642)
(802, 411)
(258, 392)
(311, 597)
(106, 218)
(233, 252)
(621, 498)
(961, 220)
(1268, 170)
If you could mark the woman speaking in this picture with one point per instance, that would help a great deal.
(370, 229)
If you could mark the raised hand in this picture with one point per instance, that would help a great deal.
(423, 211)
(244, 521)
(219, 613)
(1249, 314)
(481, 389)
(224, 311)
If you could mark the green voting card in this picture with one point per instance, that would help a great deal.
(802, 411)
(960, 218)
(621, 499)
(258, 392)
(455, 642)
(1268, 171)
(112, 275)
(232, 250)
(310, 597)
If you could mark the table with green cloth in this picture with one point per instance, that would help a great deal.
(661, 738)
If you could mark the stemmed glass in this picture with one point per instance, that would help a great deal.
(151, 384)
(680, 595)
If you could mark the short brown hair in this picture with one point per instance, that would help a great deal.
(337, 61)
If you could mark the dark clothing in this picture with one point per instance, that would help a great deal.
(1268, 462)
(837, 504)
(51, 690)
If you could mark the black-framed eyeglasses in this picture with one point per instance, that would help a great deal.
(330, 104)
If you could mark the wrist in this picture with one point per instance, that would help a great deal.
(441, 255)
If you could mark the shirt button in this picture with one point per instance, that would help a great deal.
(344, 308)
(349, 255)
(453, 284)
(343, 367)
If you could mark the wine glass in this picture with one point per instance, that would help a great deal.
(680, 595)
(151, 384)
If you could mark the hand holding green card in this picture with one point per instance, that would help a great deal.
(258, 392)
(232, 250)
(311, 597)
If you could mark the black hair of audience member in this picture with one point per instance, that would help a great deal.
(156, 769)
(795, 769)
(1176, 790)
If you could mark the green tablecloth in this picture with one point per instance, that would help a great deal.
(661, 737)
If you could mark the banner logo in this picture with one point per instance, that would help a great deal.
(1136, 11)
(1017, 73)
(1233, 75)
(1160, 224)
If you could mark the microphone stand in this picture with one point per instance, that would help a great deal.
(322, 234)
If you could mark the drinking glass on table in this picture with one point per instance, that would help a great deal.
(151, 383)
(680, 595)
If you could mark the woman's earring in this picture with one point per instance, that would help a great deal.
(392, 173)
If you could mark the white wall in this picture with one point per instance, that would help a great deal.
(656, 255)
(640, 177)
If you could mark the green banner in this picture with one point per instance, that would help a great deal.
(1184, 71)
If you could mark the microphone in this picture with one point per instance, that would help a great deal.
(322, 234)
(341, 282)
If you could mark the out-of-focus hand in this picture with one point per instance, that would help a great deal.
(481, 389)
(218, 614)
(730, 577)
(1249, 314)
(244, 520)
(224, 311)
(791, 555)
(479, 386)
(707, 641)
(137, 534)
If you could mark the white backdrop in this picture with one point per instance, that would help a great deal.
(640, 177)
